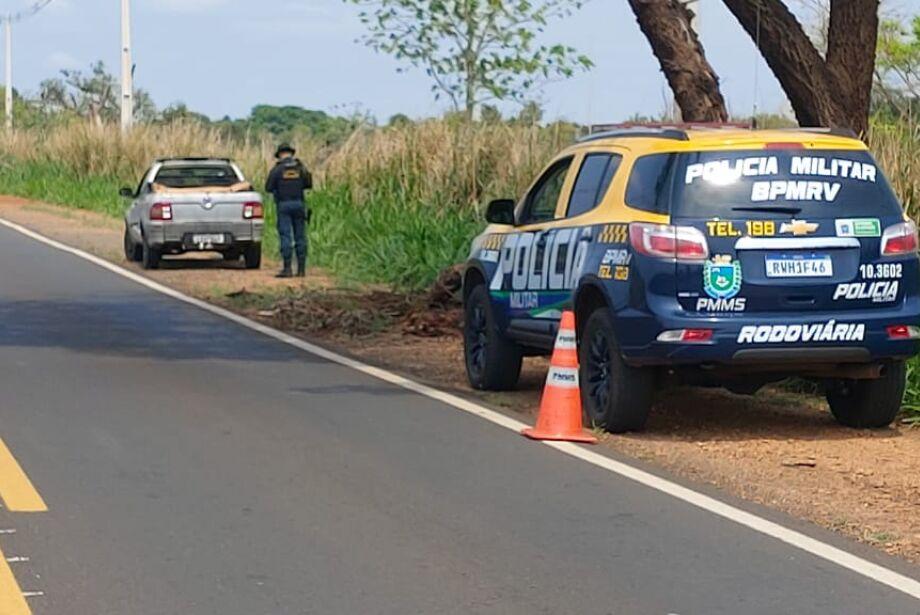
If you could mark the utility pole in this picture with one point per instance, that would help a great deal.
(127, 78)
(8, 102)
(37, 6)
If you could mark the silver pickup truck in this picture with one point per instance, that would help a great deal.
(193, 204)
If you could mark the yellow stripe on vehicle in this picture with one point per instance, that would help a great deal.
(16, 490)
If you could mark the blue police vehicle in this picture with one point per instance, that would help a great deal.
(731, 258)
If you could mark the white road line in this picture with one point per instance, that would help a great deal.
(838, 556)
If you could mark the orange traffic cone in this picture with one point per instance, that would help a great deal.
(560, 409)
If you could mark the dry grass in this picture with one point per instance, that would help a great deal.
(394, 204)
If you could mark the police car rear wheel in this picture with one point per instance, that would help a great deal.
(869, 404)
(615, 396)
(493, 363)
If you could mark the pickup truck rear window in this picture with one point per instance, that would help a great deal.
(817, 183)
(196, 176)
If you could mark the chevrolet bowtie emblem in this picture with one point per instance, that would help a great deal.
(798, 227)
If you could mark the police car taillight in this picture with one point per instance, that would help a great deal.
(899, 239)
(161, 211)
(682, 243)
(903, 332)
(686, 336)
(253, 211)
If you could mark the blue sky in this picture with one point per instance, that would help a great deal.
(223, 56)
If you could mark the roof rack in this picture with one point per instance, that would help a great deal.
(662, 130)
(836, 132)
(654, 133)
(672, 125)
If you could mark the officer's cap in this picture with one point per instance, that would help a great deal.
(285, 148)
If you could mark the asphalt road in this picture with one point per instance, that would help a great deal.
(190, 465)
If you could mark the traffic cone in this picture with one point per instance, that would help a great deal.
(560, 408)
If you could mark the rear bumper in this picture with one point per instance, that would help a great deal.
(173, 234)
(785, 342)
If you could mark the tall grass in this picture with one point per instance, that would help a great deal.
(392, 205)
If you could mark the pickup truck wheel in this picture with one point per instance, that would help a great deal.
(150, 256)
(253, 256)
(871, 404)
(493, 363)
(615, 396)
(133, 252)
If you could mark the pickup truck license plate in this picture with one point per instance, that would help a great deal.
(207, 239)
(796, 266)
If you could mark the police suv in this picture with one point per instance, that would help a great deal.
(715, 257)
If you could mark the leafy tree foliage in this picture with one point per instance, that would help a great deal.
(475, 51)
(93, 95)
(897, 68)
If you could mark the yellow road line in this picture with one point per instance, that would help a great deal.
(17, 491)
(12, 602)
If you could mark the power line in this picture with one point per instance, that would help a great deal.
(26, 12)
(8, 21)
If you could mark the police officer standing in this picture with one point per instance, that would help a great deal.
(287, 181)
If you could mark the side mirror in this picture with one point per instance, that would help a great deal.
(126, 192)
(500, 211)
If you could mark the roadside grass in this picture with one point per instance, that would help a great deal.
(911, 403)
(392, 205)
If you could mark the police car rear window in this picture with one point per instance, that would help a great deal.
(593, 180)
(649, 183)
(773, 183)
(196, 176)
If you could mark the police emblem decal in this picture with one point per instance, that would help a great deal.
(722, 277)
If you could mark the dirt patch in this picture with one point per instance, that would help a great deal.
(777, 448)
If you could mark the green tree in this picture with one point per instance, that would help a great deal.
(179, 112)
(399, 120)
(92, 95)
(475, 51)
(490, 114)
(897, 67)
(530, 114)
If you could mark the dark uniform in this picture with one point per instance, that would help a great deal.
(287, 182)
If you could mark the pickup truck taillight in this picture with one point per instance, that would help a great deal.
(682, 243)
(899, 239)
(161, 211)
(253, 211)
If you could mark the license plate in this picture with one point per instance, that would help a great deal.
(208, 239)
(796, 266)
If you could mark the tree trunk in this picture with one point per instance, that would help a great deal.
(666, 25)
(833, 92)
(852, 39)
